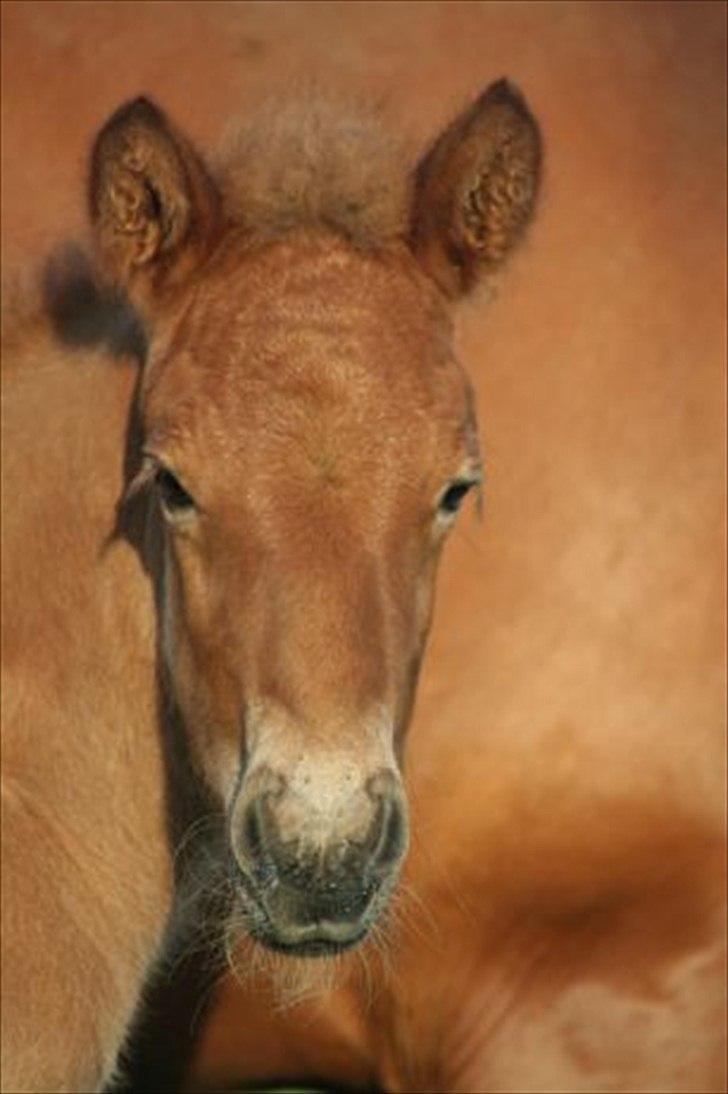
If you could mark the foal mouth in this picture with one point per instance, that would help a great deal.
(307, 934)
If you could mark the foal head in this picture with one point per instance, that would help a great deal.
(308, 438)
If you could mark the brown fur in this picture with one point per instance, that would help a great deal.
(298, 378)
(557, 929)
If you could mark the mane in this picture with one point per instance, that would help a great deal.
(317, 162)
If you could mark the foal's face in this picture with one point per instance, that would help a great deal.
(312, 436)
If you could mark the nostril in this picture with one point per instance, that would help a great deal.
(258, 839)
(392, 835)
(252, 833)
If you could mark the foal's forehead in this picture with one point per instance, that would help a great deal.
(309, 331)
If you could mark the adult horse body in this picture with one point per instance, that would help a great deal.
(86, 874)
(238, 536)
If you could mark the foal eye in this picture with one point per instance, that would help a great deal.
(453, 497)
(175, 498)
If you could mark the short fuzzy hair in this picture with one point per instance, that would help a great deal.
(316, 162)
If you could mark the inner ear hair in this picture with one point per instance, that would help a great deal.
(476, 188)
(151, 198)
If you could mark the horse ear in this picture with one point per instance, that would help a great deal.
(154, 207)
(475, 189)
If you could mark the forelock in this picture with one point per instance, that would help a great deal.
(316, 162)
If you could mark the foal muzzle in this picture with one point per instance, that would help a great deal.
(317, 888)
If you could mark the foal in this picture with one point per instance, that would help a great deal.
(238, 537)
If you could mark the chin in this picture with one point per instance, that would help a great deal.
(309, 947)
